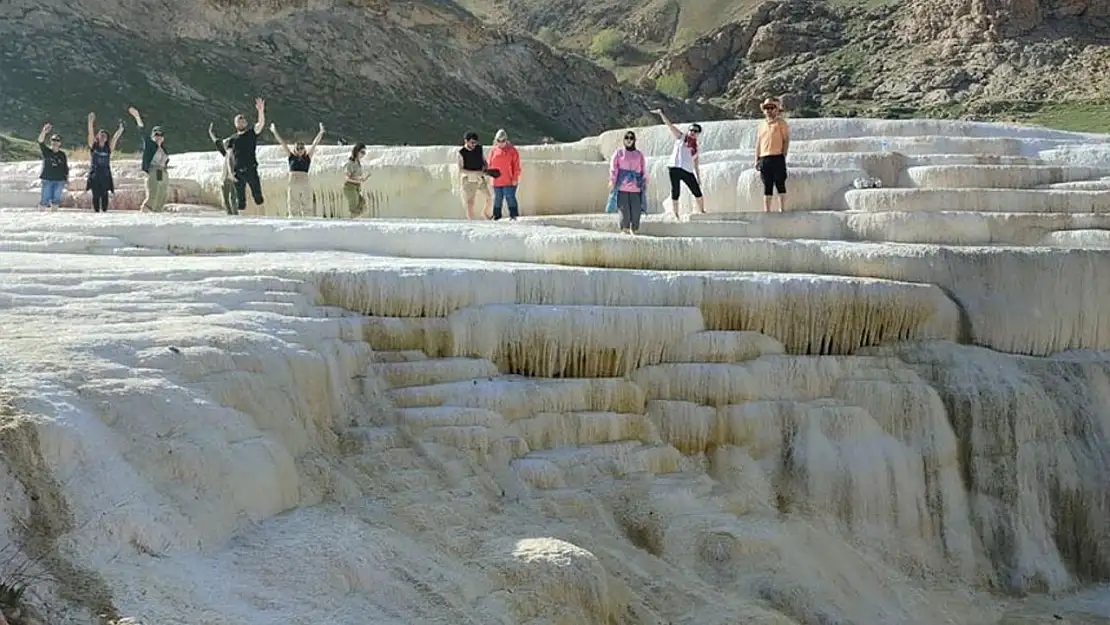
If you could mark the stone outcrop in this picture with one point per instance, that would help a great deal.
(947, 56)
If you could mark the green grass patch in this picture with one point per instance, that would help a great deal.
(673, 85)
(1073, 116)
(16, 149)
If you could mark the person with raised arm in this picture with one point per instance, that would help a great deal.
(683, 167)
(353, 179)
(55, 169)
(227, 186)
(99, 181)
(244, 147)
(155, 162)
(299, 195)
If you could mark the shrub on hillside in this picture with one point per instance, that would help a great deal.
(547, 35)
(607, 44)
(673, 84)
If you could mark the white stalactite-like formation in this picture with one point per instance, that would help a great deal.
(888, 405)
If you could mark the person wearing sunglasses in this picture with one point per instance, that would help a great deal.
(683, 167)
(771, 145)
(55, 169)
(627, 184)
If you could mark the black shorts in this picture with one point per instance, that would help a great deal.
(772, 169)
(678, 176)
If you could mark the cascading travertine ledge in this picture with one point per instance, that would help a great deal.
(994, 176)
(1010, 299)
(808, 313)
(978, 200)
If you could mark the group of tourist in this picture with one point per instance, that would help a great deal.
(628, 176)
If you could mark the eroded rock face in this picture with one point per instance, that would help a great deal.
(948, 55)
(970, 19)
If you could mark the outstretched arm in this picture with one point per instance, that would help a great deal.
(285, 145)
(316, 141)
(134, 112)
(674, 129)
(219, 142)
(260, 125)
(92, 132)
(116, 135)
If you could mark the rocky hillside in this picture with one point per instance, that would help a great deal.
(1045, 61)
(412, 71)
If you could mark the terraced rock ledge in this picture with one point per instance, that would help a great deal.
(892, 408)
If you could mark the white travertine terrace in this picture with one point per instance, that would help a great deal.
(885, 406)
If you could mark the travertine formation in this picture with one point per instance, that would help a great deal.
(892, 408)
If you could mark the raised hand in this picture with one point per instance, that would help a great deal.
(656, 111)
(273, 128)
(321, 127)
(259, 104)
(46, 127)
(211, 125)
(92, 117)
(132, 111)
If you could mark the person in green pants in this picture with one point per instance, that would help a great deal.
(227, 189)
(352, 181)
(154, 164)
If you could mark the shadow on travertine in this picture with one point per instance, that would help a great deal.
(217, 421)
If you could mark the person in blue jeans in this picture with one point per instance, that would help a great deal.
(504, 160)
(55, 169)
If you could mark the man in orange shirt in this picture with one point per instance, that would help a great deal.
(771, 145)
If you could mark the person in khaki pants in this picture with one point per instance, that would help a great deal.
(227, 187)
(154, 164)
(299, 194)
(472, 176)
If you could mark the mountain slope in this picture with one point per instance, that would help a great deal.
(1036, 60)
(943, 58)
(411, 71)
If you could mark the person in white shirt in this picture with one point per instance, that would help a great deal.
(683, 167)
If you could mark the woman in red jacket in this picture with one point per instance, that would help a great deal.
(504, 158)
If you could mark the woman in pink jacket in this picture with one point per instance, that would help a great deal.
(627, 183)
(505, 159)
